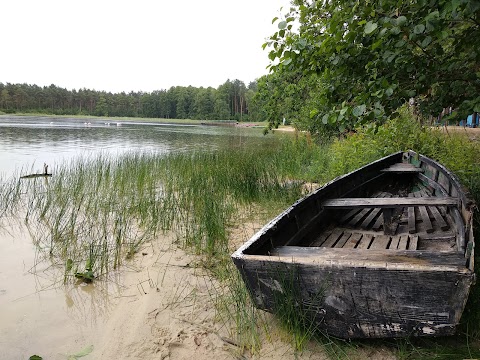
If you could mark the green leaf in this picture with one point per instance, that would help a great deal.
(274, 19)
(401, 20)
(282, 25)
(418, 29)
(389, 91)
(69, 265)
(325, 119)
(286, 61)
(376, 44)
(391, 57)
(359, 110)
(313, 112)
(35, 357)
(426, 41)
(370, 27)
(84, 352)
(395, 30)
(302, 43)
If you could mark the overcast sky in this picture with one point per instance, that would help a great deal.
(140, 45)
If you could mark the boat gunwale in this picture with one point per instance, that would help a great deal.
(408, 260)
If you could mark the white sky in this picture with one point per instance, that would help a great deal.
(139, 45)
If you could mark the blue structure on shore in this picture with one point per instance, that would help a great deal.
(471, 121)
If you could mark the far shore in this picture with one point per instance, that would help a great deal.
(137, 119)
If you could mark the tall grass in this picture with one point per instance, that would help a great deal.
(95, 212)
(10, 196)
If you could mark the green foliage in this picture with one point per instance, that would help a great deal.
(375, 55)
(369, 143)
(296, 97)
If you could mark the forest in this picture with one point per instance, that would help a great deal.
(230, 101)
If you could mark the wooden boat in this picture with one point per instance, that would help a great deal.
(384, 251)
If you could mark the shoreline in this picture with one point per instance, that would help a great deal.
(137, 119)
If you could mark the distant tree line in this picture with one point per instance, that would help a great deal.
(230, 101)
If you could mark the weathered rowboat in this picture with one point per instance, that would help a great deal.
(384, 251)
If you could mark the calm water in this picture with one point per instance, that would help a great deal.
(26, 143)
(37, 314)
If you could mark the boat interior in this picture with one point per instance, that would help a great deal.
(405, 207)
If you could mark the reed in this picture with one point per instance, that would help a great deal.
(97, 211)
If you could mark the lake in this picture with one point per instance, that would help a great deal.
(39, 314)
(26, 143)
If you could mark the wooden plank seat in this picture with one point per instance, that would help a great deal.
(388, 205)
(403, 168)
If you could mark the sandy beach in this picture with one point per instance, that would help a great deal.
(168, 312)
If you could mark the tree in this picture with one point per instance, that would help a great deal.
(373, 56)
(5, 98)
(101, 107)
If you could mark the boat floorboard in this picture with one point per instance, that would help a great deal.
(414, 228)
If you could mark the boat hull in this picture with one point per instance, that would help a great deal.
(362, 298)
(367, 292)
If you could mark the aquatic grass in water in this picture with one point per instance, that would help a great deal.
(95, 212)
